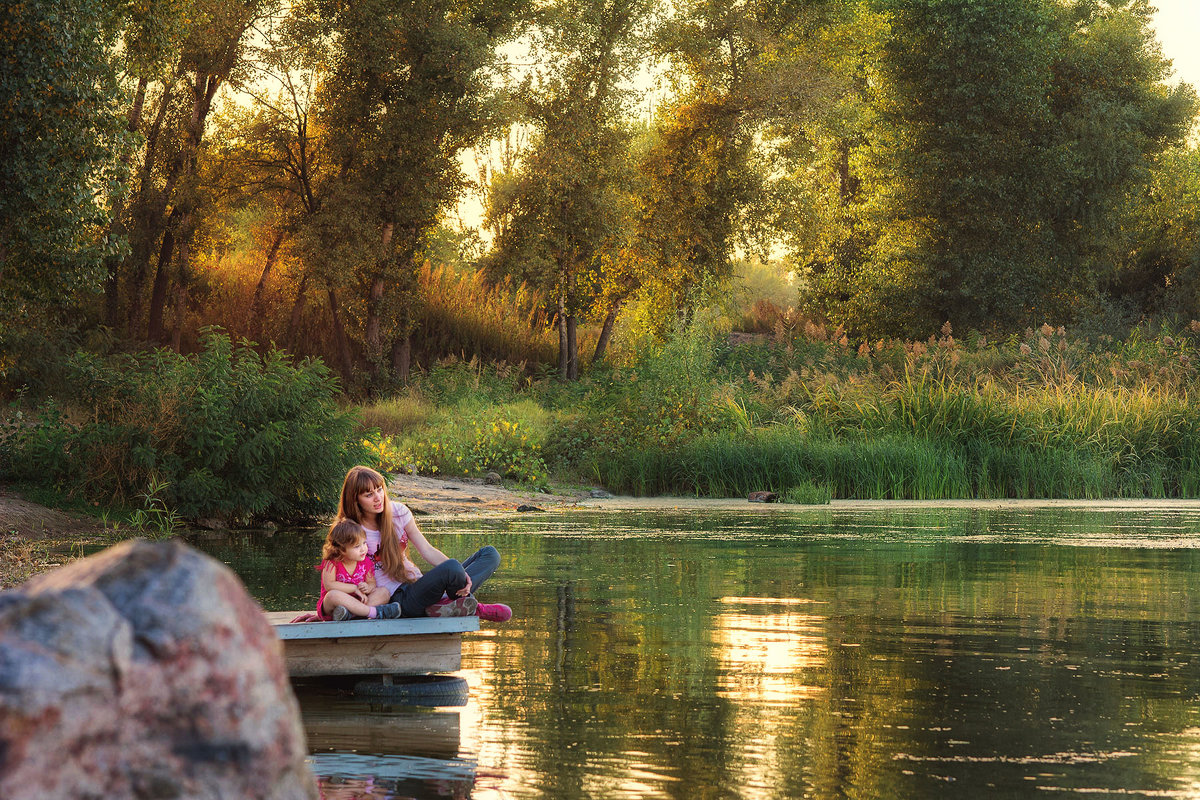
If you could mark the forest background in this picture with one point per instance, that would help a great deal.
(832, 248)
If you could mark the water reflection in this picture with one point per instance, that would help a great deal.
(914, 653)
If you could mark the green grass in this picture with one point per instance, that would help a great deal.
(1038, 416)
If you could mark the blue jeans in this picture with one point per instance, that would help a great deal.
(446, 578)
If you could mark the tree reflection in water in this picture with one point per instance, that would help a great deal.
(783, 653)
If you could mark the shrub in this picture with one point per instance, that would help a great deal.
(496, 441)
(225, 433)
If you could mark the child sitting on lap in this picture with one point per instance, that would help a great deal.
(348, 587)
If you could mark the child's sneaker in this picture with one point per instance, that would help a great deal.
(341, 614)
(453, 607)
(387, 611)
(494, 612)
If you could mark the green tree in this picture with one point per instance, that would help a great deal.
(565, 212)
(999, 143)
(406, 91)
(60, 141)
(741, 72)
(179, 57)
(1159, 271)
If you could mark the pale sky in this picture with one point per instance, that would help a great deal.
(1178, 26)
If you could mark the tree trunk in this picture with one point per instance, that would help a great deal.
(848, 183)
(374, 298)
(256, 306)
(339, 337)
(119, 227)
(610, 319)
(572, 349)
(402, 358)
(146, 213)
(158, 296)
(181, 294)
(297, 312)
(371, 331)
(563, 356)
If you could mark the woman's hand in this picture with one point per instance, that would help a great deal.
(466, 590)
(411, 572)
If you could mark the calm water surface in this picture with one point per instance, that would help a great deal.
(780, 653)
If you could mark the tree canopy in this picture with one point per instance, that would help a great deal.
(297, 173)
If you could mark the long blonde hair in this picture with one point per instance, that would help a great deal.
(390, 556)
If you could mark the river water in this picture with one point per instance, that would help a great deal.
(788, 653)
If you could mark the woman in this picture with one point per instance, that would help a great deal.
(444, 591)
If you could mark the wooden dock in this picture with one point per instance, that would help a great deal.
(416, 646)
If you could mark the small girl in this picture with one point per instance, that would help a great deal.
(348, 577)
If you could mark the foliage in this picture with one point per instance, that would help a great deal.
(225, 433)
(406, 88)
(1043, 414)
(489, 443)
(467, 316)
(1160, 272)
(999, 143)
(566, 211)
(60, 136)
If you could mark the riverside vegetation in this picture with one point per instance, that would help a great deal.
(242, 436)
(801, 412)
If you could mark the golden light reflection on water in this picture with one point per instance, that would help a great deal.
(763, 654)
(766, 647)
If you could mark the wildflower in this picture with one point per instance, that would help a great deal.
(864, 350)
(1062, 332)
(1195, 325)
(1062, 345)
(1046, 329)
(1025, 349)
(1044, 344)
(947, 329)
(1168, 341)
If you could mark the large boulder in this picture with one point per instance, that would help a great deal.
(145, 672)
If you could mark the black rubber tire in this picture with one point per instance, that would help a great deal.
(417, 690)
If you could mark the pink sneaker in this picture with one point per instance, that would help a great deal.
(494, 612)
(456, 607)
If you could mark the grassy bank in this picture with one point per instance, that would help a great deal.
(236, 435)
(800, 412)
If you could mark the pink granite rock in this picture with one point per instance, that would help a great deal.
(146, 671)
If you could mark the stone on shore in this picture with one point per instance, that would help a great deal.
(146, 671)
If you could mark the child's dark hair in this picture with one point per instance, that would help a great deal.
(343, 534)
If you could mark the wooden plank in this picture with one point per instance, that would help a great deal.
(414, 646)
(286, 629)
(408, 654)
(364, 728)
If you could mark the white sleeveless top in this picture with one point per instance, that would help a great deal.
(401, 516)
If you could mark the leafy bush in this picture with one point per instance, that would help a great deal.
(496, 441)
(225, 433)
